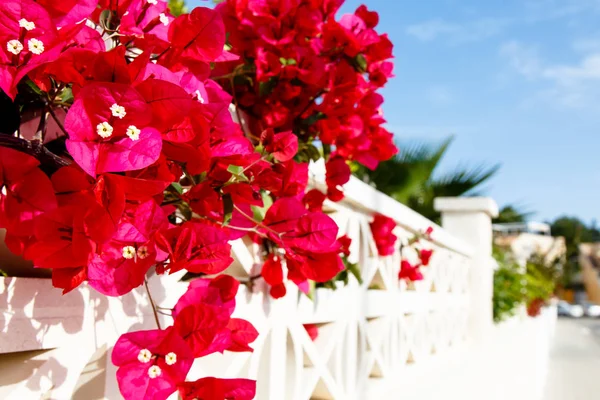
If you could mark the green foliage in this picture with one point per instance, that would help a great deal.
(575, 232)
(515, 285)
(177, 7)
(508, 292)
(539, 279)
(342, 276)
(260, 212)
(265, 88)
(511, 214)
(410, 177)
(307, 152)
(227, 208)
(509, 287)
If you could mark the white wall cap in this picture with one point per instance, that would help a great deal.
(466, 205)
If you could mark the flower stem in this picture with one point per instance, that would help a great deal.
(34, 148)
(260, 224)
(152, 303)
(60, 125)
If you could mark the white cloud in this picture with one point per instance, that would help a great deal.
(587, 45)
(552, 9)
(455, 33)
(569, 85)
(435, 132)
(523, 59)
(587, 70)
(439, 95)
(533, 11)
(430, 30)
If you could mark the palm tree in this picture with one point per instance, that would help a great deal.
(410, 177)
(512, 213)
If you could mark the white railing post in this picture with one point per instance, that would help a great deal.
(470, 219)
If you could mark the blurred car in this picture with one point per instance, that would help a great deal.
(570, 310)
(591, 309)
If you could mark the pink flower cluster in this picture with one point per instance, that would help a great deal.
(125, 160)
(382, 228)
(153, 364)
(412, 272)
(303, 70)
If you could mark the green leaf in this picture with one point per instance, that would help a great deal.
(260, 212)
(354, 270)
(313, 119)
(312, 287)
(287, 61)
(192, 275)
(235, 169)
(178, 188)
(33, 86)
(238, 173)
(326, 150)
(104, 18)
(265, 88)
(186, 211)
(227, 208)
(66, 95)
(308, 152)
(361, 63)
(342, 276)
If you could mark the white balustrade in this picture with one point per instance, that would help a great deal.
(383, 338)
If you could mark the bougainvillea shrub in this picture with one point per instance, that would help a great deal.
(119, 156)
(302, 69)
(411, 272)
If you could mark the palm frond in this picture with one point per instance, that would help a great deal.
(513, 213)
(410, 177)
(464, 180)
(403, 175)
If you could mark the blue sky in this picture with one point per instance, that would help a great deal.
(516, 82)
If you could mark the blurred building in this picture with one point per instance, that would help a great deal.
(528, 239)
(589, 261)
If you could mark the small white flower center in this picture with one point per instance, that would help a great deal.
(199, 96)
(143, 253)
(133, 132)
(23, 23)
(144, 356)
(153, 2)
(14, 46)
(104, 129)
(163, 19)
(35, 46)
(128, 252)
(154, 371)
(171, 358)
(117, 111)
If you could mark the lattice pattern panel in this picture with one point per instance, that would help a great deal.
(368, 333)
